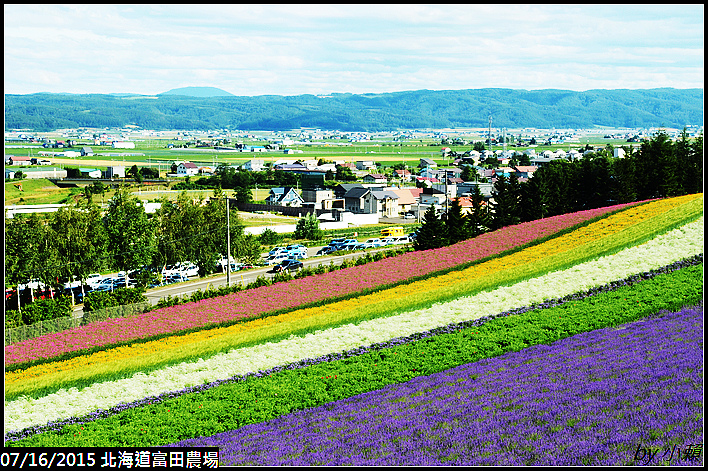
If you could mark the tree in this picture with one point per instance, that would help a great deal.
(432, 233)
(344, 174)
(243, 195)
(456, 223)
(308, 228)
(506, 195)
(478, 221)
(80, 241)
(28, 251)
(129, 231)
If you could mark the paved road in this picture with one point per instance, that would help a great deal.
(244, 277)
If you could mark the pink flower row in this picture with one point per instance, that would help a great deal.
(294, 293)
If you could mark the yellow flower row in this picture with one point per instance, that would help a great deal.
(528, 262)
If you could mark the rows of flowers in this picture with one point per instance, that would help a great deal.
(248, 304)
(574, 402)
(255, 397)
(295, 293)
(48, 378)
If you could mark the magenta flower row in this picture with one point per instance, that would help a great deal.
(294, 293)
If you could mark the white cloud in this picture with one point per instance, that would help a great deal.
(293, 49)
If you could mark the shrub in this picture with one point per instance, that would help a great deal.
(124, 296)
(46, 309)
(98, 300)
(12, 319)
(270, 237)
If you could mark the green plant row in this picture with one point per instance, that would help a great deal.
(261, 397)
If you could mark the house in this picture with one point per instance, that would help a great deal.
(341, 190)
(381, 202)
(426, 181)
(432, 196)
(187, 169)
(86, 152)
(404, 175)
(115, 172)
(425, 162)
(254, 165)
(317, 196)
(365, 165)
(525, 171)
(90, 173)
(407, 197)
(20, 160)
(284, 196)
(53, 172)
(375, 178)
(618, 153)
(123, 145)
(354, 199)
(294, 167)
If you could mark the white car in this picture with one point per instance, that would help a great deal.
(388, 241)
(93, 279)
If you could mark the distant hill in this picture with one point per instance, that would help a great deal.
(421, 109)
(199, 92)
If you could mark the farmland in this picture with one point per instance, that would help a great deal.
(413, 370)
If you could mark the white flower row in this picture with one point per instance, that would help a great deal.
(662, 250)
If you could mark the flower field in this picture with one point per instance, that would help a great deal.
(239, 385)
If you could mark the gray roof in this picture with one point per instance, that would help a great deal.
(356, 192)
(381, 195)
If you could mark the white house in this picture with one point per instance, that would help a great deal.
(187, 169)
(123, 145)
(90, 172)
(254, 165)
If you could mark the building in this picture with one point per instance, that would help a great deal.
(187, 169)
(90, 173)
(365, 165)
(123, 145)
(115, 172)
(284, 196)
(20, 160)
(254, 165)
(86, 152)
(375, 178)
(424, 162)
(381, 202)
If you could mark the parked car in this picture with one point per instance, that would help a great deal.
(401, 240)
(387, 241)
(277, 250)
(277, 258)
(287, 265)
(189, 269)
(351, 245)
(336, 242)
(376, 242)
(176, 278)
(327, 249)
(409, 216)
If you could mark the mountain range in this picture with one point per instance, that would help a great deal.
(203, 108)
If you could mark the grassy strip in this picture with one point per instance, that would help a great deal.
(260, 397)
(100, 348)
(170, 351)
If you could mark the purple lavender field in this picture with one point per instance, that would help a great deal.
(615, 396)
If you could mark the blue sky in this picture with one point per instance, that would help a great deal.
(320, 49)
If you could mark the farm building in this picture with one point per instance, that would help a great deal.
(187, 169)
(123, 145)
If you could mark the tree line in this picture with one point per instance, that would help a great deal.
(659, 168)
(434, 109)
(78, 240)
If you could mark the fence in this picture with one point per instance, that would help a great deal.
(24, 332)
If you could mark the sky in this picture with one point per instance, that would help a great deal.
(252, 50)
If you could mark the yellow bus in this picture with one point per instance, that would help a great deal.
(392, 232)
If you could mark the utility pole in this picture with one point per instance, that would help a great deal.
(489, 134)
(228, 244)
